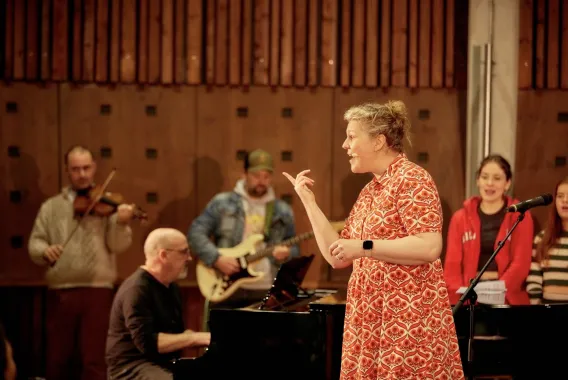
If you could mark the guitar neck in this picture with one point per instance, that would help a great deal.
(268, 250)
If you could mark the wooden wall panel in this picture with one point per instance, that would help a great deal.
(540, 156)
(128, 42)
(59, 53)
(261, 42)
(101, 41)
(28, 173)
(146, 130)
(194, 41)
(329, 48)
(140, 130)
(438, 139)
(543, 44)
(355, 43)
(306, 135)
(19, 40)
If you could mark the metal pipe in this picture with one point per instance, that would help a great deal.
(488, 83)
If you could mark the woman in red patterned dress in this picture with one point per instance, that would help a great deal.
(398, 321)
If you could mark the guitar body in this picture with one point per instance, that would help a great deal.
(217, 287)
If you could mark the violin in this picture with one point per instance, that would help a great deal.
(105, 205)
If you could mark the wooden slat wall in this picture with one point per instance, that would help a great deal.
(542, 121)
(543, 44)
(347, 43)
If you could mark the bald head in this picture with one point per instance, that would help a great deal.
(163, 238)
(77, 150)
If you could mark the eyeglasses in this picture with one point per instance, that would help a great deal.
(184, 251)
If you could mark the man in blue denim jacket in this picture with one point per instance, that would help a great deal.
(231, 217)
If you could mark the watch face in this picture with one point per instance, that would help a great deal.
(368, 244)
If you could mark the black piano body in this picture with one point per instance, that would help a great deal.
(291, 334)
(299, 336)
(261, 344)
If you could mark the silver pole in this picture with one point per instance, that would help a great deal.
(488, 81)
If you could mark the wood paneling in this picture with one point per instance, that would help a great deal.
(543, 44)
(351, 43)
(542, 146)
(29, 164)
(139, 131)
(146, 131)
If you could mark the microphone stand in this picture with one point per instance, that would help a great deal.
(471, 296)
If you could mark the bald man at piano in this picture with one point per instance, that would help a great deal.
(146, 331)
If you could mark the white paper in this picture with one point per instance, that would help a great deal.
(487, 287)
(488, 292)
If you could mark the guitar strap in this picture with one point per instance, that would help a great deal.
(268, 218)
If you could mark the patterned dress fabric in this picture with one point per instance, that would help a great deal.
(398, 322)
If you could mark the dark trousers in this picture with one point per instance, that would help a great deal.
(77, 327)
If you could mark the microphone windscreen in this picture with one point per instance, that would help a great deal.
(547, 198)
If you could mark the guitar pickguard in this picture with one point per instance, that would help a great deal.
(230, 280)
(242, 274)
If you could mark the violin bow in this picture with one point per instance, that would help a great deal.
(90, 208)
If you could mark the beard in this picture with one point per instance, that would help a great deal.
(183, 274)
(257, 191)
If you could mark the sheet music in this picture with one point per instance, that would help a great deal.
(488, 292)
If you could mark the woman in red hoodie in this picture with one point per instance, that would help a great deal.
(476, 229)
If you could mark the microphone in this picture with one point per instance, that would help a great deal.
(543, 200)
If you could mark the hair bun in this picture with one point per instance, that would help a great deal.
(399, 115)
(398, 109)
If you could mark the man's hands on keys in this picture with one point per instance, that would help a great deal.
(198, 339)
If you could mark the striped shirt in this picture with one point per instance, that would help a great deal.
(548, 280)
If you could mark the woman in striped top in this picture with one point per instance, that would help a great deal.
(548, 278)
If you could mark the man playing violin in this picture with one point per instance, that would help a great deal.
(81, 272)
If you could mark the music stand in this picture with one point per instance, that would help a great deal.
(286, 285)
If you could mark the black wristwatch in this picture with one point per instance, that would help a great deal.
(368, 245)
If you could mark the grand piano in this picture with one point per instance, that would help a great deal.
(291, 334)
(297, 334)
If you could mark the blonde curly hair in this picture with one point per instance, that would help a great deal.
(389, 119)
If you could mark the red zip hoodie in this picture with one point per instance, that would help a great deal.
(463, 247)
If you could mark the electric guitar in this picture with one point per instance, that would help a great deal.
(215, 286)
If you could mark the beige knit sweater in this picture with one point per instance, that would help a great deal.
(89, 257)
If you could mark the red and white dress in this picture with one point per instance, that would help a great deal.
(398, 321)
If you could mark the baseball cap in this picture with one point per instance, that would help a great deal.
(259, 160)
